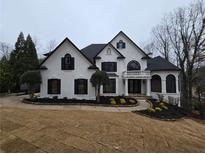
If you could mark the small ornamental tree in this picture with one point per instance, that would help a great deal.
(31, 78)
(98, 79)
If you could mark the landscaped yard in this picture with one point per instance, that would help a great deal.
(33, 130)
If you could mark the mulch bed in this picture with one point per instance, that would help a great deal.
(104, 101)
(173, 113)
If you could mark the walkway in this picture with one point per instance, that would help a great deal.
(15, 101)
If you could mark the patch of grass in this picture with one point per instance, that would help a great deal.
(18, 145)
(7, 125)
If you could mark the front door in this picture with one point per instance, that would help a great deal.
(134, 86)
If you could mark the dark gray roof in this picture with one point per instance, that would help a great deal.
(160, 64)
(92, 50)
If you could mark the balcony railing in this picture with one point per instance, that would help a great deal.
(137, 74)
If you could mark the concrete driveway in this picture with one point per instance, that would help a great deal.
(16, 101)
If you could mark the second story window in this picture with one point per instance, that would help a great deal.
(67, 62)
(120, 45)
(109, 66)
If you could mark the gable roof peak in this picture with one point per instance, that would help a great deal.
(121, 32)
(66, 39)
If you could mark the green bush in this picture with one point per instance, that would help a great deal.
(122, 101)
(112, 101)
(196, 105)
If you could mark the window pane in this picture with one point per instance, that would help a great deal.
(110, 87)
(81, 86)
(109, 66)
(156, 83)
(170, 84)
(133, 65)
(54, 86)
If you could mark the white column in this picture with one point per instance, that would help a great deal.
(101, 90)
(177, 86)
(126, 87)
(164, 86)
(148, 87)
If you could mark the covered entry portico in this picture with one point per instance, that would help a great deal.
(135, 81)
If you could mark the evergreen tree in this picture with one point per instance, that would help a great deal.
(31, 59)
(23, 58)
(16, 59)
(6, 75)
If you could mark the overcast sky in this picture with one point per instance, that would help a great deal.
(82, 21)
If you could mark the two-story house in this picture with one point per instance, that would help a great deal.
(66, 71)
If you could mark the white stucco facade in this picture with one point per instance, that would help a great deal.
(53, 64)
(123, 77)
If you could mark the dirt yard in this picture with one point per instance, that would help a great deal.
(33, 130)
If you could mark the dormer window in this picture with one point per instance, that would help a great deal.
(108, 51)
(67, 62)
(120, 45)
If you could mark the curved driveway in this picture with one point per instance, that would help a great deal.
(15, 101)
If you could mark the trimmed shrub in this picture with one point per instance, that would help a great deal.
(122, 101)
(151, 110)
(164, 107)
(112, 101)
(158, 109)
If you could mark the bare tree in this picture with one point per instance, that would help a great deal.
(51, 45)
(150, 49)
(161, 41)
(5, 50)
(181, 35)
(186, 30)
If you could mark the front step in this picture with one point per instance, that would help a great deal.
(143, 100)
(140, 96)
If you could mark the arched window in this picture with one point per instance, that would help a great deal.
(133, 65)
(170, 84)
(156, 83)
(120, 45)
(67, 59)
(67, 62)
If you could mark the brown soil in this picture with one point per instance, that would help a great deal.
(29, 130)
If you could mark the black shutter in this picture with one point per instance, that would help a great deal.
(62, 63)
(115, 67)
(49, 86)
(59, 86)
(103, 66)
(72, 64)
(117, 45)
(123, 45)
(76, 86)
(85, 86)
(114, 86)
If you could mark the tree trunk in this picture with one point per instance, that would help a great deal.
(183, 91)
(98, 94)
(189, 83)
